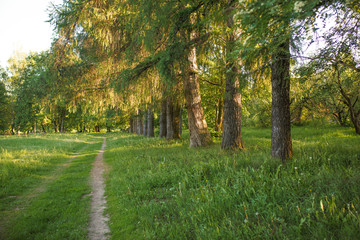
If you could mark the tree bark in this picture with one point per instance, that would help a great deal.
(163, 118)
(232, 138)
(180, 122)
(150, 122)
(281, 145)
(199, 132)
(62, 128)
(140, 123)
(169, 118)
(145, 121)
(131, 124)
(354, 114)
(219, 115)
(176, 120)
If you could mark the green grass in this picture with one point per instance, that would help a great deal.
(164, 190)
(158, 189)
(43, 195)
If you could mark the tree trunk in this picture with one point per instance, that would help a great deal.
(219, 116)
(232, 138)
(169, 118)
(163, 118)
(97, 128)
(176, 120)
(150, 122)
(62, 125)
(199, 132)
(43, 128)
(131, 124)
(356, 121)
(55, 126)
(139, 123)
(180, 122)
(145, 121)
(354, 114)
(281, 146)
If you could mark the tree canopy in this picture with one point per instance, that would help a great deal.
(227, 63)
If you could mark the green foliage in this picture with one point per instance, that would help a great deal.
(5, 105)
(163, 190)
(114, 54)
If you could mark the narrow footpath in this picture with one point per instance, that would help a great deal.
(98, 228)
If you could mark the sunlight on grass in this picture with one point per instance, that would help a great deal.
(31, 179)
(164, 190)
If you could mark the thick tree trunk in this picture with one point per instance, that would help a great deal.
(163, 118)
(232, 138)
(281, 146)
(169, 118)
(199, 132)
(131, 124)
(356, 121)
(145, 121)
(140, 123)
(172, 118)
(176, 120)
(150, 122)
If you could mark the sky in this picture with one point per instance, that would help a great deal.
(23, 27)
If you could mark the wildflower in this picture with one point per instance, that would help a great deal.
(298, 6)
(245, 220)
(256, 213)
(310, 158)
(295, 168)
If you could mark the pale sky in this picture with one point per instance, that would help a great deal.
(23, 27)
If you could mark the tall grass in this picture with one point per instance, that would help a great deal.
(164, 190)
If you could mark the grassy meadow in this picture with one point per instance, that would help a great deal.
(44, 185)
(164, 190)
(158, 189)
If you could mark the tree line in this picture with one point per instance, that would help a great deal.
(207, 65)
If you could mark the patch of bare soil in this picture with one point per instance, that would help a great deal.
(98, 228)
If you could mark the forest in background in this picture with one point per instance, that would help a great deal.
(209, 66)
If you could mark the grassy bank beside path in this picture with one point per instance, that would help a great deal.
(160, 189)
(44, 185)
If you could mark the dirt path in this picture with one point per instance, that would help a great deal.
(98, 227)
(24, 200)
